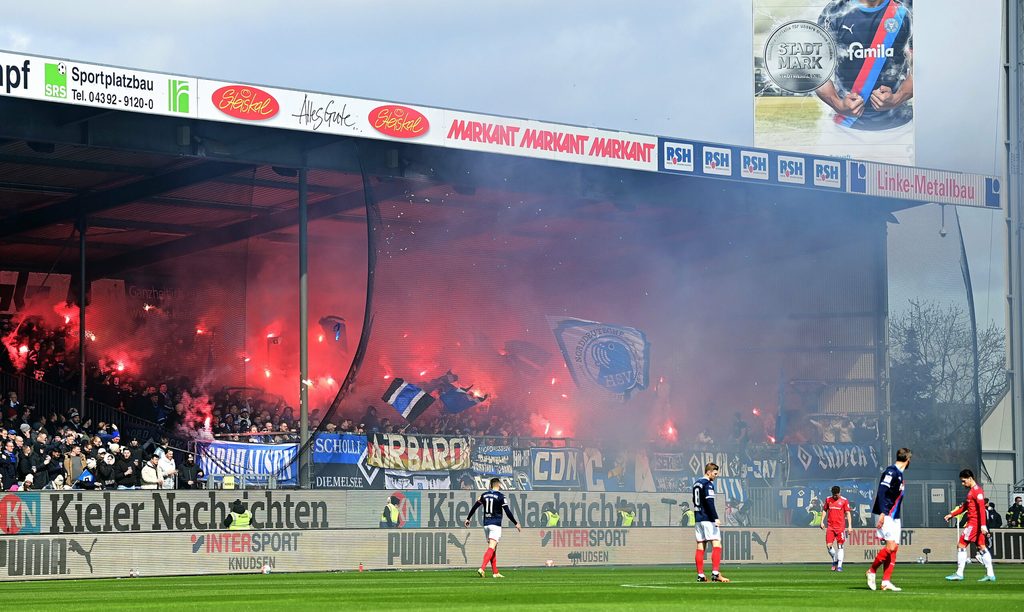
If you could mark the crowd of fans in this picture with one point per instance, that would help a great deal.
(62, 451)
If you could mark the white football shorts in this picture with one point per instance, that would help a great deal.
(706, 531)
(492, 532)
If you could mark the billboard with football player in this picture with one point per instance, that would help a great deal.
(835, 78)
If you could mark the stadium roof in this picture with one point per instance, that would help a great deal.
(164, 166)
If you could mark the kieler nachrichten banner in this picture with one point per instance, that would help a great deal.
(835, 78)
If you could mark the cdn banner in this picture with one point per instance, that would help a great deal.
(833, 79)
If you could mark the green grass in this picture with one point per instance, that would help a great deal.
(783, 120)
(591, 588)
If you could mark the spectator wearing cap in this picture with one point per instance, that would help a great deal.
(151, 474)
(29, 483)
(189, 474)
(133, 444)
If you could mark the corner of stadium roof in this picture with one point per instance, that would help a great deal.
(161, 165)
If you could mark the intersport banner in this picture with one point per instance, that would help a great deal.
(833, 78)
(116, 555)
(259, 461)
(419, 453)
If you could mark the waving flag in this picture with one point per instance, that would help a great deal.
(457, 400)
(409, 400)
(602, 357)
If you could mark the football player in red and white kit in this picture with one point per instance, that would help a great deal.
(975, 529)
(838, 519)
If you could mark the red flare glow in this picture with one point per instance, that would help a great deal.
(120, 366)
(558, 433)
(247, 359)
(147, 307)
(200, 331)
(771, 439)
(553, 380)
(22, 349)
(206, 424)
(320, 338)
(330, 380)
(387, 377)
(271, 335)
(67, 319)
(266, 372)
(564, 396)
(669, 432)
(423, 373)
(756, 411)
(547, 427)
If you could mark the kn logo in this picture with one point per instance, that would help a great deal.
(754, 165)
(791, 170)
(677, 156)
(717, 161)
(827, 173)
(20, 513)
(245, 102)
(399, 121)
(409, 508)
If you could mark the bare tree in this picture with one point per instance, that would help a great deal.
(932, 369)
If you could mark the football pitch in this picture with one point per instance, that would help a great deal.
(776, 587)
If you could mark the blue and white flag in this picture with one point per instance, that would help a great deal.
(409, 400)
(457, 400)
(611, 359)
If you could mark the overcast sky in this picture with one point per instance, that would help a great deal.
(670, 68)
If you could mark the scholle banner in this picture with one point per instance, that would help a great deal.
(116, 555)
(252, 460)
(339, 448)
(419, 453)
(832, 78)
(555, 468)
(823, 461)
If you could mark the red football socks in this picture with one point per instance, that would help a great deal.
(716, 558)
(488, 556)
(494, 560)
(889, 566)
(699, 557)
(880, 558)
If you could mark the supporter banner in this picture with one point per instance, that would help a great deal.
(839, 461)
(519, 481)
(115, 555)
(834, 79)
(492, 460)
(397, 479)
(339, 448)
(555, 468)
(616, 471)
(671, 471)
(419, 453)
(346, 476)
(252, 460)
